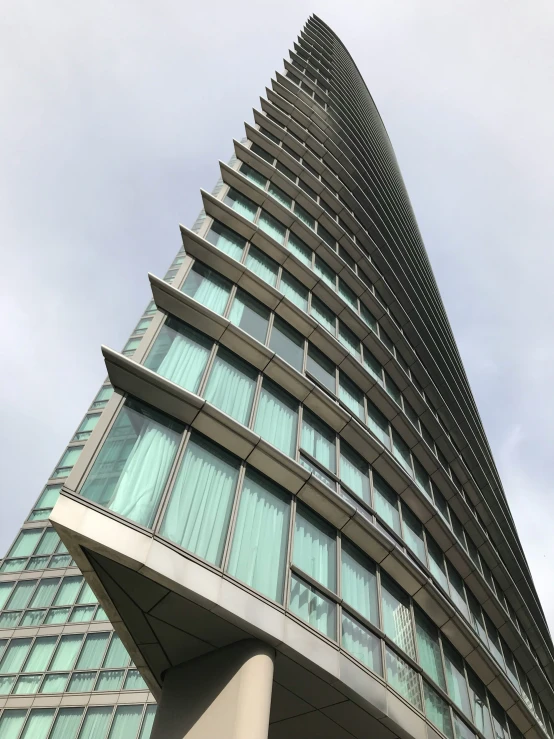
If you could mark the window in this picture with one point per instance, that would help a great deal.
(494, 641)
(429, 649)
(199, 507)
(66, 652)
(437, 710)
(279, 195)
(368, 318)
(315, 548)
(14, 656)
(385, 502)
(68, 591)
(478, 699)
(45, 592)
(413, 534)
(300, 250)
(361, 643)
(321, 368)
(241, 204)
(359, 583)
(392, 389)
(304, 216)
(319, 440)
(326, 236)
(351, 396)
(401, 453)
(272, 227)
(231, 385)
(40, 654)
(103, 396)
(117, 655)
(397, 618)
(265, 267)
(436, 562)
(25, 543)
(253, 176)
(455, 679)
(476, 617)
(348, 295)
(142, 326)
(130, 347)
(354, 472)
(250, 315)
(45, 503)
(67, 462)
(323, 315)
(349, 340)
(422, 478)
(287, 343)
(126, 722)
(373, 366)
(403, 678)
(312, 607)
(259, 549)
(322, 269)
(457, 590)
(21, 594)
(5, 590)
(226, 240)
(294, 290)
(132, 467)
(85, 429)
(277, 418)
(180, 354)
(208, 287)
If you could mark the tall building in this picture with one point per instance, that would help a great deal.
(283, 497)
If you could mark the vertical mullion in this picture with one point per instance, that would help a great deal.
(171, 478)
(255, 401)
(290, 545)
(233, 517)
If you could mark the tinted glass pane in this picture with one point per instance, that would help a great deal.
(227, 240)
(321, 368)
(262, 265)
(207, 287)
(250, 315)
(397, 617)
(287, 343)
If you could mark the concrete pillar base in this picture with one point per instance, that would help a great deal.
(225, 694)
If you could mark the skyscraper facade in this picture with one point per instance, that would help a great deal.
(282, 498)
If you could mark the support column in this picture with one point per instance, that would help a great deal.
(225, 694)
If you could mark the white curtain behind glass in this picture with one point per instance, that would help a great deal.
(276, 422)
(318, 444)
(211, 292)
(306, 602)
(140, 485)
(96, 722)
(359, 585)
(231, 388)
(11, 723)
(200, 504)
(184, 362)
(315, 550)
(259, 543)
(355, 477)
(66, 723)
(126, 722)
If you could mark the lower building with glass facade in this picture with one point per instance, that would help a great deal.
(280, 516)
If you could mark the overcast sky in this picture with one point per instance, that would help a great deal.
(113, 115)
